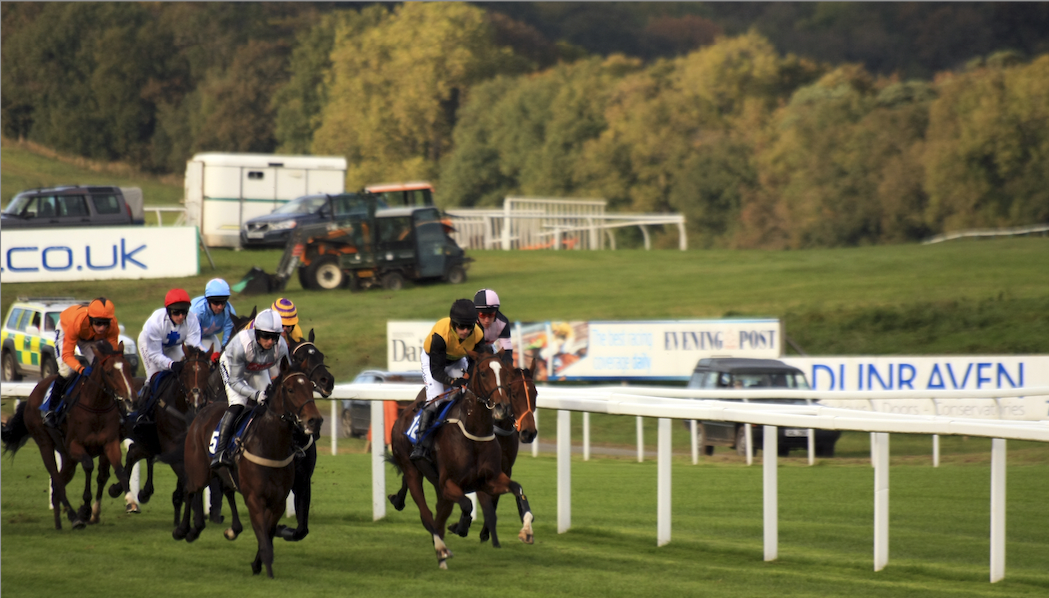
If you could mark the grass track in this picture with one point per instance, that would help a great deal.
(938, 536)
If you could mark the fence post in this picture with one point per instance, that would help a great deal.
(378, 452)
(694, 426)
(997, 509)
(769, 462)
(586, 436)
(663, 493)
(880, 448)
(640, 440)
(564, 471)
(335, 427)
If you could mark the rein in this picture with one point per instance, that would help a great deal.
(104, 387)
(309, 373)
(284, 417)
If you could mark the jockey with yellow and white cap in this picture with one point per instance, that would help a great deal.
(251, 360)
(289, 319)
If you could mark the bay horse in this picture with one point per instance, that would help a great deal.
(175, 406)
(466, 456)
(518, 426)
(91, 429)
(263, 470)
(306, 358)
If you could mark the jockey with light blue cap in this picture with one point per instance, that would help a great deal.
(213, 310)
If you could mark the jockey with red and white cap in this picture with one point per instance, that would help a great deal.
(164, 332)
(251, 360)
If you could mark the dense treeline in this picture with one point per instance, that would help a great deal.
(756, 146)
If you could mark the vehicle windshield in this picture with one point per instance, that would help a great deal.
(18, 204)
(711, 380)
(302, 205)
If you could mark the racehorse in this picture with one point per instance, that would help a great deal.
(263, 470)
(176, 405)
(466, 456)
(91, 429)
(306, 358)
(518, 426)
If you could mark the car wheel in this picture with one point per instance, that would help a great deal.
(393, 281)
(8, 368)
(346, 424)
(326, 274)
(741, 441)
(48, 367)
(456, 275)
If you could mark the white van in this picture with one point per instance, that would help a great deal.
(225, 190)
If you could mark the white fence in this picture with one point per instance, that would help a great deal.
(667, 404)
(542, 223)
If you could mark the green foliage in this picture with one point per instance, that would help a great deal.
(988, 146)
(396, 87)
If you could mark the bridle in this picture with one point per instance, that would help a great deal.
(199, 391)
(309, 373)
(485, 399)
(295, 419)
(107, 388)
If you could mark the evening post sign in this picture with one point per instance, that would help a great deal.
(98, 253)
(636, 351)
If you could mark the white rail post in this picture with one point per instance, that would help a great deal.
(997, 509)
(640, 439)
(771, 491)
(586, 436)
(935, 450)
(535, 443)
(564, 471)
(881, 499)
(694, 427)
(335, 427)
(663, 486)
(378, 471)
(749, 435)
(812, 446)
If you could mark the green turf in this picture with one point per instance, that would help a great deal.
(938, 536)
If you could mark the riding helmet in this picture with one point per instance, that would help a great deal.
(267, 321)
(286, 309)
(217, 287)
(176, 299)
(101, 308)
(486, 299)
(463, 311)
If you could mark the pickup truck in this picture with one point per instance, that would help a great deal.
(75, 205)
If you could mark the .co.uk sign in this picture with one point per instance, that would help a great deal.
(98, 253)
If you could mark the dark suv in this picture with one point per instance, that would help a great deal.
(273, 229)
(72, 206)
(740, 373)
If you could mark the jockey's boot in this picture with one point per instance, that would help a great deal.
(222, 456)
(143, 404)
(52, 401)
(422, 447)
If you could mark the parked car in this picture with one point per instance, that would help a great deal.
(28, 338)
(74, 206)
(711, 374)
(357, 415)
(273, 229)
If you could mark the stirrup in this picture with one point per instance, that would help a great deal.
(418, 452)
(222, 460)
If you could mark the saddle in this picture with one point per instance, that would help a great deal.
(413, 430)
(64, 393)
(240, 428)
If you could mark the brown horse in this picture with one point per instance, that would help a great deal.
(306, 358)
(466, 456)
(177, 405)
(519, 426)
(263, 470)
(91, 429)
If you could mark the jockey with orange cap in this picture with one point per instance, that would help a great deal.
(78, 326)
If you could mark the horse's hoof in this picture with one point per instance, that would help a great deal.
(256, 568)
(216, 519)
(443, 565)
(79, 524)
(178, 533)
(230, 534)
(192, 534)
(398, 502)
(484, 534)
(525, 537)
(143, 496)
(114, 490)
(132, 508)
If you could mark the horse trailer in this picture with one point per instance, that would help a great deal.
(223, 191)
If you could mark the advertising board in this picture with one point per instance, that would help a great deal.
(954, 372)
(98, 253)
(602, 350)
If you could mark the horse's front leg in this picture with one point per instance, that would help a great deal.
(461, 528)
(88, 464)
(488, 508)
(444, 510)
(112, 450)
(502, 485)
(264, 517)
(103, 477)
(235, 527)
(304, 467)
(146, 492)
(59, 479)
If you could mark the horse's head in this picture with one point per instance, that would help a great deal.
(489, 380)
(291, 398)
(308, 359)
(523, 399)
(114, 373)
(193, 378)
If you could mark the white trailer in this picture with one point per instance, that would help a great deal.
(225, 190)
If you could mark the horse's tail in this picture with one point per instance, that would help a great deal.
(388, 457)
(15, 434)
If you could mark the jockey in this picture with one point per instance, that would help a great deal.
(251, 359)
(213, 310)
(289, 317)
(444, 361)
(78, 326)
(496, 326)
(161, 339)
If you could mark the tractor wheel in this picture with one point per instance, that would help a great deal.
(393, 281)
(456, 275)
(326, 274)
(304, 278)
